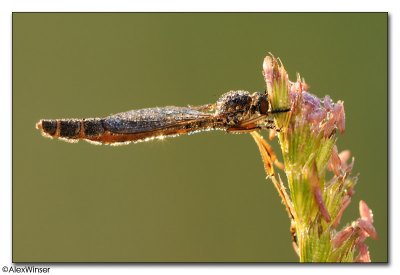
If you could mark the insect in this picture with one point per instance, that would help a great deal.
(234, 112)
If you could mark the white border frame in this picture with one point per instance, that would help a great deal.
(9, 6)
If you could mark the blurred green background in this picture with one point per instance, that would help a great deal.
(199, 198)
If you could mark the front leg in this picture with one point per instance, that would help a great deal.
(243, 129)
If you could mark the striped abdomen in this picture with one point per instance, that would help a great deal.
(72, 129)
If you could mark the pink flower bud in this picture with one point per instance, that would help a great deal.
(317, 116)
(268, 70)
(338, 111)
(329, 126)
(368, 228)
(311, 100)
(344, 157)
(342, 236)
(345, 203)
(365, 212)
(335, 164)
(363, 257)
(328, 103)
(316, 190)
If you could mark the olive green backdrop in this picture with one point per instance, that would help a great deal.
(199, 198)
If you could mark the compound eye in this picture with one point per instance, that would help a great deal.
(263, 105)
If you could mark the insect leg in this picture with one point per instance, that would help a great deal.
(243, 130)
(269, 124)
(293, 233)
(271, 153)
(276, 111)
(266, 157)
(268, 166)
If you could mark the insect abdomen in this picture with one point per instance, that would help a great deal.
(71, 129)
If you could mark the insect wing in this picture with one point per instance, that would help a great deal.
(155, 119)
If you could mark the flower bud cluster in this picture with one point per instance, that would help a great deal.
(307, 138)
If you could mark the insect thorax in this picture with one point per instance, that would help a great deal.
(236, 106)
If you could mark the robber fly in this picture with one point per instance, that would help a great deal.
(235, 112)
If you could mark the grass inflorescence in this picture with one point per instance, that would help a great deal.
(319, 178)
